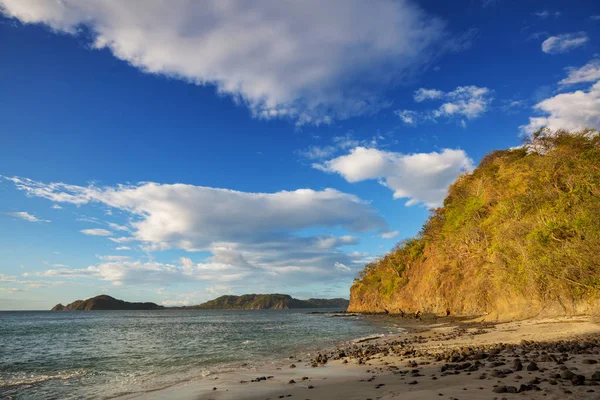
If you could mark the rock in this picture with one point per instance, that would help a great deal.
(511, 389)
(304, 378)
(589, 362)
(517, 366)
(578, 380)
(292, 381)
(532, 366)
(524, 388)
(293, 366)
(214, 388)
(311, 387)
(567, 375)
(499, 389)
(596, 376)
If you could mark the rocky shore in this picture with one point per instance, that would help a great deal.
(550, 359)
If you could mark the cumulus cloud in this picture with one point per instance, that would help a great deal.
(422, 177)
(564, 43)
(249, 235)
(26, 216)
(468, 102)
(311, 61)
(572, 111)
(192, 217)
(590, 72)
(96, 232)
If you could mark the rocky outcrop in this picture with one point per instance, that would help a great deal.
(104, 302)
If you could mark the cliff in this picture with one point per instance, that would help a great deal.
(268, 301)
(104, 302)
(517, 237)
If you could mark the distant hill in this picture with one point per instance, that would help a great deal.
(245, 302)
(517, 237)
(268, 301)
(104, 302)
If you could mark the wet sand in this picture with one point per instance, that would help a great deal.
(556, 358)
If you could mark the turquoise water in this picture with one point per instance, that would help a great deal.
(103, 354)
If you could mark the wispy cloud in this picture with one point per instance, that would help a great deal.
(24, 215)
(564, 43)
(544, 14)
(96, 232)
(590, 72)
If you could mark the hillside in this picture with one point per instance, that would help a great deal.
(245, 302)
(104, 302)
(268, 301)
(518, 237)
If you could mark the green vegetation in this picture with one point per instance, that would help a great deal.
(520, 235)
(245, 302)
(268, 301)
(105, 302)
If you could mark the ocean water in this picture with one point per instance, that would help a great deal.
(104, 354)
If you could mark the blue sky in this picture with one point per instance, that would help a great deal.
(187, 151)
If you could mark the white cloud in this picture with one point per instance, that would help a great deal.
(422, 178)
(389, 235)
(312, 61)
(464, 102)
(564, 43)
(595, 17)
(26, 216)
(96, 232)
(571, 111)
(56, 207)
(248, 234)
(118, 227)
(112, 258)
(545, 14)
(423, 94)
(339, 143)
(409, 117)
(123, 248)
(341, 267)
(590, 72)
(227, 264)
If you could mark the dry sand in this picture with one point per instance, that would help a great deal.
(410, 366)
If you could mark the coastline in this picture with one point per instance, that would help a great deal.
(447, 358)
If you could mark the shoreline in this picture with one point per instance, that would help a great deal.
(428, 361)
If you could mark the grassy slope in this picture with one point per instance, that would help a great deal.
(517, 237)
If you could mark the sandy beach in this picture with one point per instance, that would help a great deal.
(450, 358)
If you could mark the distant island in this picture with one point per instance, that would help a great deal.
(268, 301)
(105, 302)
(245, 302)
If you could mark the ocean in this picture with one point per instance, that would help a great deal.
(106, 354)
